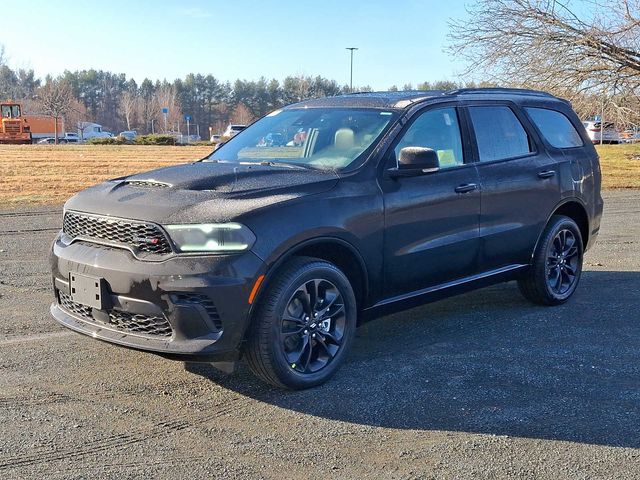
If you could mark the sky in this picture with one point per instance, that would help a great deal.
(399, 41)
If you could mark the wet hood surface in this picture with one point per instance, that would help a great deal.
(200, 192)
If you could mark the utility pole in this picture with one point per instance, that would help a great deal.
(351, 49)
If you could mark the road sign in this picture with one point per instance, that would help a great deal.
(187, 118)
(165, 110)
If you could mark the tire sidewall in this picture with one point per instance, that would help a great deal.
(318, 270)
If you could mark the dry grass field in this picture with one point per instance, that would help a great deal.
(620, 165)
(48, 174)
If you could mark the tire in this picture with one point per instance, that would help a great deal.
(286, 346)
(557, 264)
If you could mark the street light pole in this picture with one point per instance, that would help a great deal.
(351, 77)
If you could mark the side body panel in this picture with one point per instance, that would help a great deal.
(517, 198)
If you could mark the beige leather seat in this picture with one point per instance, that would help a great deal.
(344, 139)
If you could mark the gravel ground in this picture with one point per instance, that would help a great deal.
(482, 385)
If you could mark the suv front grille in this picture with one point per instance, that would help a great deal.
(142, 237)
(124, 321)
(182, 298)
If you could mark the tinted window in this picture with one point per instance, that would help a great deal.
(555, 127)
(439, 130)
(499, 133)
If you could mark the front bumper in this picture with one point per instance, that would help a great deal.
(184, 307)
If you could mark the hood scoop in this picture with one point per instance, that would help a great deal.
(147, 184)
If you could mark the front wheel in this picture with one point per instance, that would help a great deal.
(304, 325)
(557, 264)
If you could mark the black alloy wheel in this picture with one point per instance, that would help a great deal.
(562, 262)
(313, 326)
(303, 326)
(556, 264)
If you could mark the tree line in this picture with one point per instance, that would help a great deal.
(587, 51)
(120, 103)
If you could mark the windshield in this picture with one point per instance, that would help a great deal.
(325, 138)
(10, 111)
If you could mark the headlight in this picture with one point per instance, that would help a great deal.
(211, 237)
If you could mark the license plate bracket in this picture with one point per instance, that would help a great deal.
(87, 290)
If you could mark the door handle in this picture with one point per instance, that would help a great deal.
(466, 187)
(547, 174)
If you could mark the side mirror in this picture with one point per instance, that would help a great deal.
(415, 161)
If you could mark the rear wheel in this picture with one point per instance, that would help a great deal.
(557, 264)
(304, 326)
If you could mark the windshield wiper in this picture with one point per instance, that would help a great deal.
(214, 160)
(267, 163)
(270, 163)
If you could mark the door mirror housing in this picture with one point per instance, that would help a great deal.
(415, 161)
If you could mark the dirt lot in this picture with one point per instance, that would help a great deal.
(48, 174)
(479, 386)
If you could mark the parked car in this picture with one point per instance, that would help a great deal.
(71, 137)
(51, 140)
(596, 130)
(215, 138)
(129, 135)
(277, 252)
(233, 130)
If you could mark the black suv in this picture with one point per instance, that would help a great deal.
(325, 213)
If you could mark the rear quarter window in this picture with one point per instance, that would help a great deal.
(555, 127)
(499, 133)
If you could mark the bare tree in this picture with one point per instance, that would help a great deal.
(148, 111)
(128, 106)
(3, 56)
(77, 115)
(241, 115)
(572, 48)
(56, 100)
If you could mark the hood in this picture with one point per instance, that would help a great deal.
(200, 192)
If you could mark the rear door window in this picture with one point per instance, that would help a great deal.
(555, 127)
(499, 133)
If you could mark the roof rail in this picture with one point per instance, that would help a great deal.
(503, 90)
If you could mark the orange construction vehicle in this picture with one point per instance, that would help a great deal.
(20, 128)
(14, 129)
